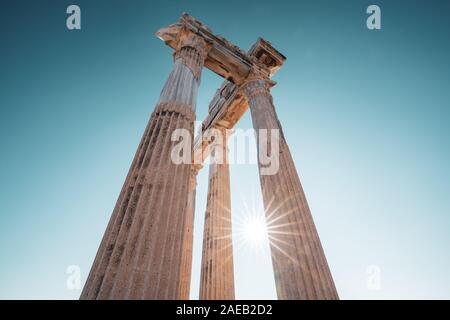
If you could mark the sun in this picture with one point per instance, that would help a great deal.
(250, 228)
(254, 231)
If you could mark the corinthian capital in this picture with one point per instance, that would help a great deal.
(192, 49)
(194, 41)
(257, 83)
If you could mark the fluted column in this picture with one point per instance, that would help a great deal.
(217, 275)
(188, 239)
(141, 251)
(299, 263)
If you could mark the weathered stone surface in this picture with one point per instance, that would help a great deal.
(186, 259)
(188, 241)
(146, 251)
(217, 275)
(140, 256)
(223, 58)
(301, 270)
(229, 103)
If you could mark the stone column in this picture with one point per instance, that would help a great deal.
(141, 251)
(217, 274)
(299, 263)
(188, 240)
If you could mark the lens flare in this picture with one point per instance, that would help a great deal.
(255, 231)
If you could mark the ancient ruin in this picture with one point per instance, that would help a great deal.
(146, 251)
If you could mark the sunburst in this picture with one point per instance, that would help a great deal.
(255, 231)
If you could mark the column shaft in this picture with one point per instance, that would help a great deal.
(217, 274)
(186, 260)
(141, 251)
(300, 267)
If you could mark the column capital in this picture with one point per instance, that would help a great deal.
(224, 58)
(257, 83)
(190, 39)
(192, 49)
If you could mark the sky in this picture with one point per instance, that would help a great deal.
(365, 114)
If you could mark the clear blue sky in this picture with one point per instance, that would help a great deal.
(365, 113)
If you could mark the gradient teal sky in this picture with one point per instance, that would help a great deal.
(365, 113)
